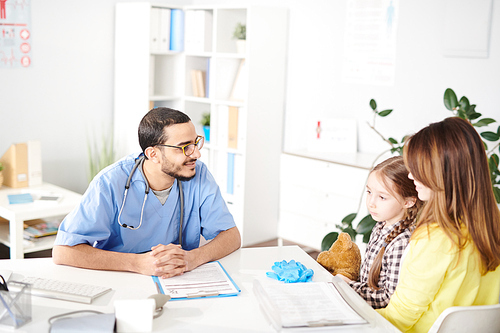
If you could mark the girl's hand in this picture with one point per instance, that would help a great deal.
(345, 278)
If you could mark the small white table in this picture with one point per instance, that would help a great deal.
(240, 313)
(18, 213)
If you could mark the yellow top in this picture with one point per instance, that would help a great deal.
(435, 276)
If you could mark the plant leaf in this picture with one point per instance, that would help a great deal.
(373, 104)
(450, 99)
(490, 136)
(496, 192)
(328, 240)
(385, 113)
(366, 225)
(464, 103)
(392, 140)
(484, 122)
(473, 115)
(366, 238)
(349, 218)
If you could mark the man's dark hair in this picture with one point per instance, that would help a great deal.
(151, 128)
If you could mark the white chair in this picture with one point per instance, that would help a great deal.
(478, 318)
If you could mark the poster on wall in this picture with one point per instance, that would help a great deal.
(15, 34)
(370, 42)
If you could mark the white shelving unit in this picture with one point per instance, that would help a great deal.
(11, 233)
(146, 78)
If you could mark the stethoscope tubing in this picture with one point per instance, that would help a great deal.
(139, 162)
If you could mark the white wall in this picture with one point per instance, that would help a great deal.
(68, 91)
(315, 89)
(66, 96)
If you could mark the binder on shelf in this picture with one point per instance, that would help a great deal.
(239, 91)
(164, 35)
(177, 30)
(198, 34)
(232, 130)
(230, 173)
(154, 43)
(207, 79)
(222, 123)
(23, 165)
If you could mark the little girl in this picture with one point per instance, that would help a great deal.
(393, 202)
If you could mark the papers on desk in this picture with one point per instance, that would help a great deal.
(310, 304)
(207, 280)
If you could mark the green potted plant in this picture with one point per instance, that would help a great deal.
(240, 34)
(205, 122)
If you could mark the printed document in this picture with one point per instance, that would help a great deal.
(305, 304)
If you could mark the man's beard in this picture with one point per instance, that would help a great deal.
(175, 172)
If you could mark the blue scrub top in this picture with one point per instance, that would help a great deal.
(95, 220)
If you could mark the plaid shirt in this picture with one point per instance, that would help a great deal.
(389, 271)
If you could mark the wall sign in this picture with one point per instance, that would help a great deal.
(15, 33)
(370, 42)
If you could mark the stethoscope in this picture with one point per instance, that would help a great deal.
(138, 163)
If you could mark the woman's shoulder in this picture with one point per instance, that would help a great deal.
(433, 237)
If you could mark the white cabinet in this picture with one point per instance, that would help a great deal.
(243, 154)
(317, 194)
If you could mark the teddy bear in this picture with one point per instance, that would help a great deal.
(343, 257)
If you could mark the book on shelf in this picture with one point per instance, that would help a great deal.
(198, 82)
(38, 228)
(232, 129)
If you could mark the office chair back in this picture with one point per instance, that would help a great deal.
(478, 318)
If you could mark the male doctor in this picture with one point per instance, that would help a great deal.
(111, 230)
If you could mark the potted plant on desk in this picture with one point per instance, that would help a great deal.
(205, 122)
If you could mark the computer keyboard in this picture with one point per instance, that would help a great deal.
(62, 290)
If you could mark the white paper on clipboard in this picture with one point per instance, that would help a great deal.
(207, 280)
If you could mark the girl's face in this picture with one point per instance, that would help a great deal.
(424, 193)
(382, 205)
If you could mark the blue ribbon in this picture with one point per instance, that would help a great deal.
(290, 272)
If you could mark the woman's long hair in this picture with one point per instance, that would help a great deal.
(394, 175)
(449, 158)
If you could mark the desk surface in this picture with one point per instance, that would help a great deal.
(228, 314)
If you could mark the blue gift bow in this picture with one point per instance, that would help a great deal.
(290, 272)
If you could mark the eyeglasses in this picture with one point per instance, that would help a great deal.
(188, 149)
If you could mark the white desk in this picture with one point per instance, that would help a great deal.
(18, 213)
(227, 314)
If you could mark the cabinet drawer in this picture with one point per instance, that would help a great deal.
(311, 203)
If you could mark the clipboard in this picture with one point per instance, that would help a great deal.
(206, 281)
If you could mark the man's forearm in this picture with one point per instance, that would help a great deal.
(223, 244)
(86, 256)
